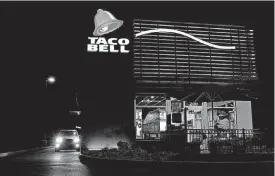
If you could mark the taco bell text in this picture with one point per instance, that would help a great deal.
(112, 45)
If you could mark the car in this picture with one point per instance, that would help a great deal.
(67, 140)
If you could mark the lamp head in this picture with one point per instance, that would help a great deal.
(51, 79)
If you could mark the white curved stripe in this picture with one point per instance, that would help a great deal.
(185, 34)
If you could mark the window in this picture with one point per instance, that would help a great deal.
(176, 118)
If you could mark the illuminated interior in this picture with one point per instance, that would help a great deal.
(219, 115)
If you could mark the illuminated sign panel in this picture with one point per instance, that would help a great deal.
(106, 23)
(170, 60)
(112, 45)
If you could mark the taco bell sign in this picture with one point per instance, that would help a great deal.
(111, 45)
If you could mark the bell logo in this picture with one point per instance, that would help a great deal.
(106, 23)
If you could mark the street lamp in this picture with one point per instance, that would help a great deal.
(50, 80)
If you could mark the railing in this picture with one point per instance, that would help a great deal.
(223, 142)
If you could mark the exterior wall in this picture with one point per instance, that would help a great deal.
(168, 107)
(167, 49)
(244, 115)
(204, 116)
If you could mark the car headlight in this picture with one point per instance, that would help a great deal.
(76, 140)
(59, 139)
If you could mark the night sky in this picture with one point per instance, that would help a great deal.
(42, 39)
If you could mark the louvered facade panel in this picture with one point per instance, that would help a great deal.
(169, 60)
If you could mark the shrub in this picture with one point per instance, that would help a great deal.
(133, 152)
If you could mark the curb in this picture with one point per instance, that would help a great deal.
(23, 151)
(137, 167)
(87, 158)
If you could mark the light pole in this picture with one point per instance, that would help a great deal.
(49, 80)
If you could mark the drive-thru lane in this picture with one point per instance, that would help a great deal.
(47, 162)
(44, 162)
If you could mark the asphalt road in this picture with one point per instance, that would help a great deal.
(44, 163)
(66, 163)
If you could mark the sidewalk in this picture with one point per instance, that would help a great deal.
(22, 151)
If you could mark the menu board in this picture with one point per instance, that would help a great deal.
(176, 106)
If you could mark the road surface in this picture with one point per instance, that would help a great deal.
(43, 163)
(66, 163)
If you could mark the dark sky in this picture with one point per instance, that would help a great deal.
(42, 39)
